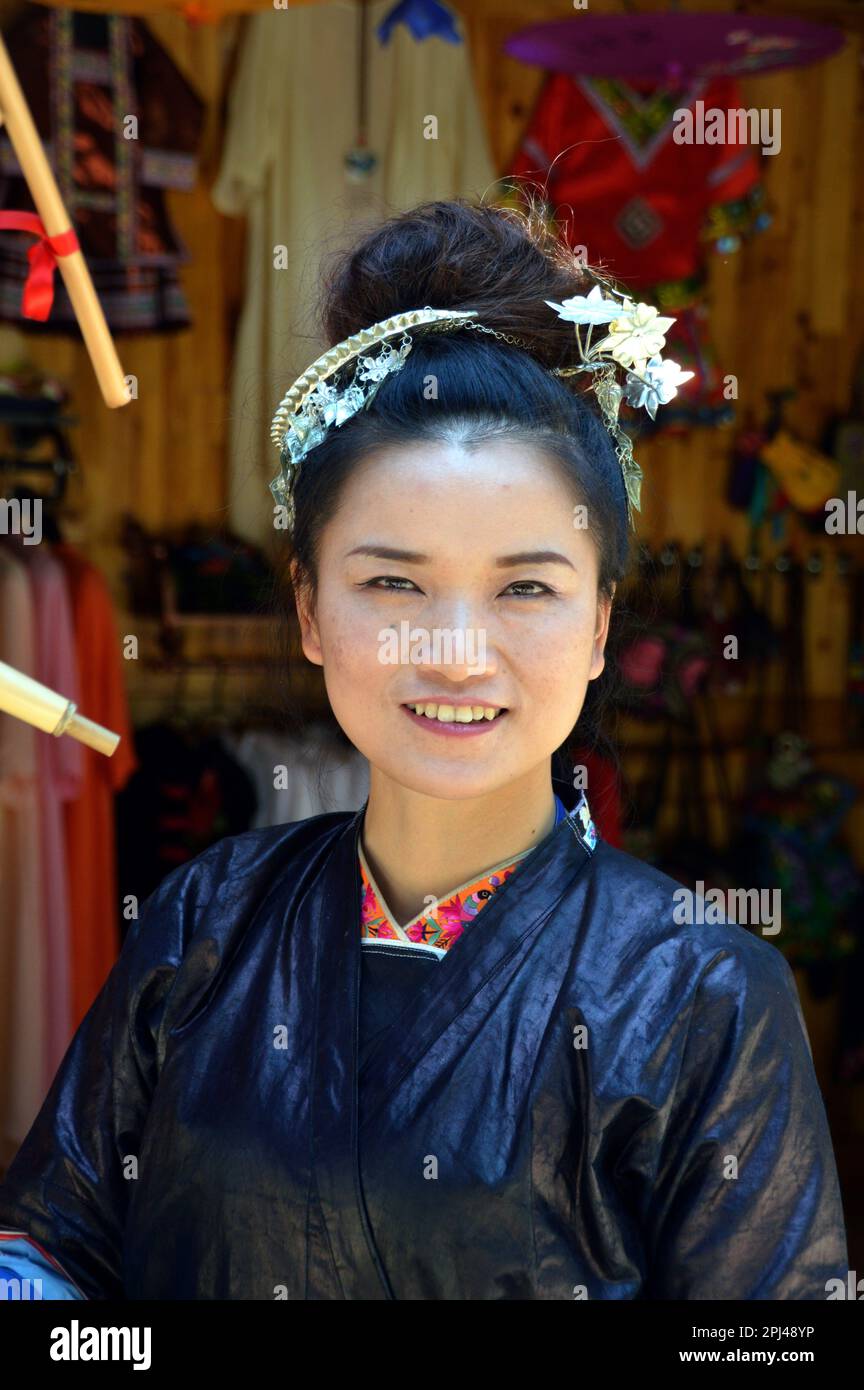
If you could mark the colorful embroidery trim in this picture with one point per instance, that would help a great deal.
(441, 924)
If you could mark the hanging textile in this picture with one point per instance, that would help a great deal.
(89, 825)
(60, 769)
(23, 952)
(292, 119)
(187, 792)
(300, 777)
(120, 125)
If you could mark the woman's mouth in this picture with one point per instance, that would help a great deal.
(458, 720)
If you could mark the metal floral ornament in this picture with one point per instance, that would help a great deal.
(636, 336)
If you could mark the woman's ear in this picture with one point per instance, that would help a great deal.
(601, 633)
(304, 601)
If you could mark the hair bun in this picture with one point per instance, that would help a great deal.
(503, 262)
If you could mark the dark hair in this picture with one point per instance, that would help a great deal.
(504, 263)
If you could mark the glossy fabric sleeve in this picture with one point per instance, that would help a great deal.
(69, 1184)
(746, 1202)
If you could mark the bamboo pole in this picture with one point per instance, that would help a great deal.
(27, 144)
(27, 699)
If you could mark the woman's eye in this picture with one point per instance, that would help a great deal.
(387, 581)
(533, 584)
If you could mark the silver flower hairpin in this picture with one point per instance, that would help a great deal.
(636, 335)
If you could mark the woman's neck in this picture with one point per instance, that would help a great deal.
(420, 847)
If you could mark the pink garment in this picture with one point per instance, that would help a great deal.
(23, 1043)
(60, 771)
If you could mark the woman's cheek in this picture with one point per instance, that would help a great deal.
(555, 641)
(350, 638)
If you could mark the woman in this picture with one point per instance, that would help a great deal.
(453, 1046)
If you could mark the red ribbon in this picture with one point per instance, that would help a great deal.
(38, 295)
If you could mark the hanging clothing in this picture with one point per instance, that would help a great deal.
(90, 836)
(298, 777)
(23, 939)
(644, 206)
(639, 200)
(551, 1113)
(60, 771)
(86, 79)
(292, 119)
(187, 792)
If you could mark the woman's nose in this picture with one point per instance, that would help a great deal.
(454, 638)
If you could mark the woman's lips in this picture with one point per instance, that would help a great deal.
(454, 729)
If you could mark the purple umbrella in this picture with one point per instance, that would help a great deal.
(672, 47)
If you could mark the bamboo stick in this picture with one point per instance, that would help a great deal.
(27, 144)
(27, 699)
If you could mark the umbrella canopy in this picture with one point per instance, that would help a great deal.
(671, 46)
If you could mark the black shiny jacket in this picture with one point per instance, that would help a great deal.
(581, 1100)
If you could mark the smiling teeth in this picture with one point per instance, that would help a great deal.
(449, 714)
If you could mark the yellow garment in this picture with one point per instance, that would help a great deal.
(292, 117)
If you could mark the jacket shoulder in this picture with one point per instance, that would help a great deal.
(219, 891)
(657, 913)
(268, 848)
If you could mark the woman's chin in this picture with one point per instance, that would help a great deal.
(445, 780)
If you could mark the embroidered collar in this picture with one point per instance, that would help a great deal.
(442, 922)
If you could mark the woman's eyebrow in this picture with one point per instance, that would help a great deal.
(387, 552)
(534, 557)
(415, 557)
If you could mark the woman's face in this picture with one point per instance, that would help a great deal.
(458, 580)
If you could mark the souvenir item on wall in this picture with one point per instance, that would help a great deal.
(772, 475)
(806, 475)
